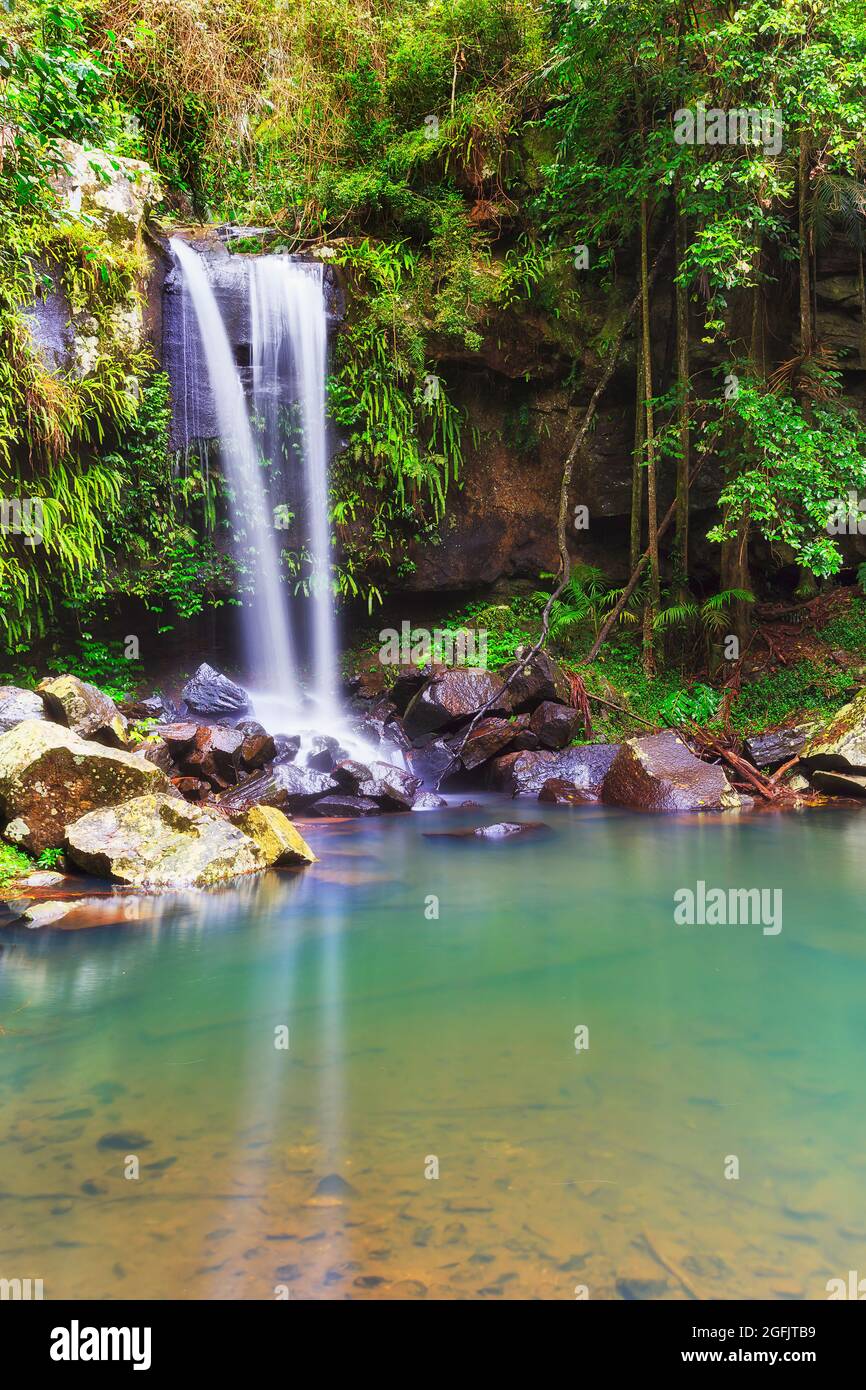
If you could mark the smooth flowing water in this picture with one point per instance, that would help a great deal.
(267, 633)
(276, 461)
(421, 1044)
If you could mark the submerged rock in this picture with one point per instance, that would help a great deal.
(660, 773)
(344, 804)
(211, 693)
(451, 697)
(83, 709)
(841, 746)
(280, 842)
(558, 792)
(49, 777)
(506, 829)
(160, 841)
(17, 705)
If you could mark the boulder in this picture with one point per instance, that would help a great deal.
(158, 707)
(407, 681)
(85, 710)
(179, 738)
(585, 766)
(160, 841)
(536, 680)
(429, 801)
(391, 786)
(776, 746)
(558, 792)
(280, 841)
(349, 774)
(489, 737)
(325, 753)
(17, 705)
(660, 773)
(49, 776)
(287, 747)
(345, 804)
(839, 783)
(433, 763)
(555, 725)
(257, 750)
(841, 746)
(214, 755)
(211, 693)
(286, 786)
(448, 699)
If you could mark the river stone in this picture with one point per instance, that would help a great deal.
(504, 830)
(349, 774)
(325, 753)
(558, 792)
(433, 763)
(660, 773)
(49, 776)
(16, 705)
(841, 746)
(489, 737)
(344, 804)
(257, 750)
(397, 788)
(585, 766)
(429, 801)
(839, 783)
(83, 709)
(286, 785)
(554, 724)
(536, 681)
(210, 692)
(777, 746)
(158, 707)
(160, 841)
(279, 840)
(453, 696)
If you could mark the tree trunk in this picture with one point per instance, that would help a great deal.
(681, 533)
(637, 469)
(861, 290)
(652, 510)
(803, 228)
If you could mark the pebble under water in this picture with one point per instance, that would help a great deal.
(429, 991)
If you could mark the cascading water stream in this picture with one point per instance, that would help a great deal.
(289, 362)
(288, 334)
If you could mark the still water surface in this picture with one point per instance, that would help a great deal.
(416, 1041)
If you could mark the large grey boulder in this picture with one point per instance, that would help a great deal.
(661, 773)
(17, 705)
(84, 709)
(841, 746)
(49, 777)
(159, 841)
(211, 693)
(585, 766)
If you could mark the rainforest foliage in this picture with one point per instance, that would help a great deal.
(465, 164)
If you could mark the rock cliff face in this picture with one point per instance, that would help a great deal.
(116, 196)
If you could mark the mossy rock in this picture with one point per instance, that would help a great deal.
(279, 840)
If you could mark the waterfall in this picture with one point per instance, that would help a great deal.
(288, 357)
(289, 361)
